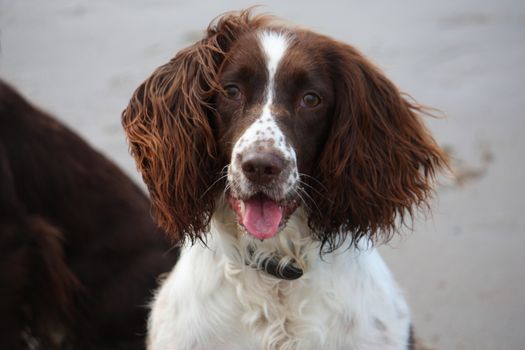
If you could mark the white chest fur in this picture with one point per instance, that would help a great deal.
(347, 300)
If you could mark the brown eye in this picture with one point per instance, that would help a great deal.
(232, 92)
(310, 100)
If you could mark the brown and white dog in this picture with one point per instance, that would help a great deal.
(79, 253)
(287, 154)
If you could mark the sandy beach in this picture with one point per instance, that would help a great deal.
(462, 267)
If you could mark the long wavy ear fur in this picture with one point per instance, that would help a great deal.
(379, 162)
(169, 125)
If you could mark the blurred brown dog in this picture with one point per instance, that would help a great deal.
(79, 253)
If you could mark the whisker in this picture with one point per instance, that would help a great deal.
(226, 188)
(213, 184)
(303, 200)
(309, 197)
(321, 194)
(315, 179)
(231, 185)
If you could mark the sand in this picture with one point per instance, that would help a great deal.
(463, 266)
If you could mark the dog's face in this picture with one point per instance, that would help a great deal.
(296, 118)
(274, 111)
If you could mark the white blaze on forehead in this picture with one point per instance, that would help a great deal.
(264, 130)
(274, 46)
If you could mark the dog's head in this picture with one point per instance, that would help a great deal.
(277, 117)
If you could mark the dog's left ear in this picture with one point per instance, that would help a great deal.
(379, 161)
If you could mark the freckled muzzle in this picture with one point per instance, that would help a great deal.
(261, 198)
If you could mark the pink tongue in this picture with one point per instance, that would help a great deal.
(262, 217)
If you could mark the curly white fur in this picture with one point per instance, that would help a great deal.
(213, 300)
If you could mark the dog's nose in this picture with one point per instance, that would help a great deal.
(262, 167)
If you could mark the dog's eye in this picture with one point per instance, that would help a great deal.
(232, 92)
(310, 100)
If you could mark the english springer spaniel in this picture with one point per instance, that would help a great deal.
(79, 253)
(281, 156)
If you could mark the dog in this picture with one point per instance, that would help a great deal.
(279, 157)
(80, 254)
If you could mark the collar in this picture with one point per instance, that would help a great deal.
(271, 266)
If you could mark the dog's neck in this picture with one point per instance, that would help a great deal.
(285, 256)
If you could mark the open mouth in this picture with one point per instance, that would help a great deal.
(261, 216)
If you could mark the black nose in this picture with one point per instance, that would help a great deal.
(262, 167)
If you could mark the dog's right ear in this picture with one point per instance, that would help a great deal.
(169, 127)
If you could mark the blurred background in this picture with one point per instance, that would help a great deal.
(463, 267)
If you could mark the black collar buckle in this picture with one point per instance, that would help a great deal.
(271, 266)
